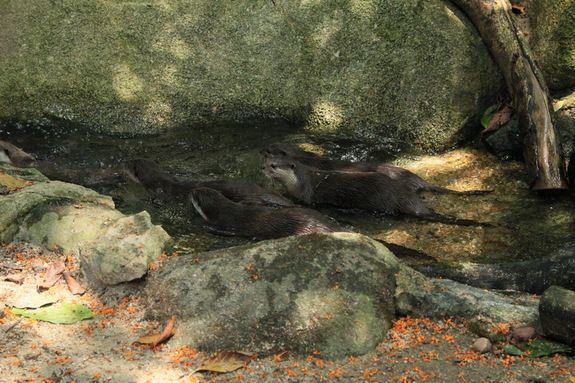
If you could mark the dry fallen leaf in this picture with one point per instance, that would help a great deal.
(226, 361)
(53, 274)
(73, 285)
(518, 10)
(155, 339)
(16, 278)
(498, 119)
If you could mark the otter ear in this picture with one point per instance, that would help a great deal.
(292, 165)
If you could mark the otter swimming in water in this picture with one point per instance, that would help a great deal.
(370, 191)
(231, 218)
(259, 222)
(166, 186)
(323, 163)
(15, 156)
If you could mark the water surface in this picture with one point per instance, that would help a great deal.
(525, 224)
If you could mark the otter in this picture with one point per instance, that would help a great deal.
(227, 217)
(15, 156)
(370, 191)
(392, 171)
(168, 187)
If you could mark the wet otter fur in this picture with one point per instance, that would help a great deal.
(259, 222)
(15, 156)
(323, 163)
(167, 187)
(369, 191)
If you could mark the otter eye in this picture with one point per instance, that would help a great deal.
(292, 166)
(273, 166)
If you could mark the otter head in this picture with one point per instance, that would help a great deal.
(285, 170)
(15, 156)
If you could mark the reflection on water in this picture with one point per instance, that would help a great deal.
(526, 225)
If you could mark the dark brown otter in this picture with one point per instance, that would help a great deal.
(260, 222)
(392, 171)
(369, 191)
(14, 155)
(166, 186)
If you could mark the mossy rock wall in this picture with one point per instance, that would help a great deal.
(553, 40)
(400, 69)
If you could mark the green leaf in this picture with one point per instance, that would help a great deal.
(512, 349)
(544, 347)
(537, 348)
(65, 313)
(487, 115)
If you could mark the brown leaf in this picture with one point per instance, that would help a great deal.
(150, 339)
(156, 339)
(53, 274)
(16, 278)
(73, 285)
(226, 361)
(499, 119)
(518, 10)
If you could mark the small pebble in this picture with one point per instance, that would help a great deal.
(481, 345)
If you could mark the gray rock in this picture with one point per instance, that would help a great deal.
(113, 248)
(330, 293)
(507, 142)
(482, 345)
(439, 298)
(557, 313)
(553, 40)
(402, 69)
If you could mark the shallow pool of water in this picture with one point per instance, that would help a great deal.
(525, 224)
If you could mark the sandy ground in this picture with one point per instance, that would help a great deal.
(105, 348)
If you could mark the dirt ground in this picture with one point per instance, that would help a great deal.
(105, 348)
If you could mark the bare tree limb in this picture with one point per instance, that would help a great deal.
(541, 148)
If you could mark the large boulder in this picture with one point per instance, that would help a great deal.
(333, 293)
(400, 69)
(553, 40)
(112, 247)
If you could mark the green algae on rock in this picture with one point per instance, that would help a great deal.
(409, 70)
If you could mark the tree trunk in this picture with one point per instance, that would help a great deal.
(541, 148)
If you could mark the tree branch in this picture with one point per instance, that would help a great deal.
(541, 147)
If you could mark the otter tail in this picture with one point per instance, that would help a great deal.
(448, 220)
(441, 190)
